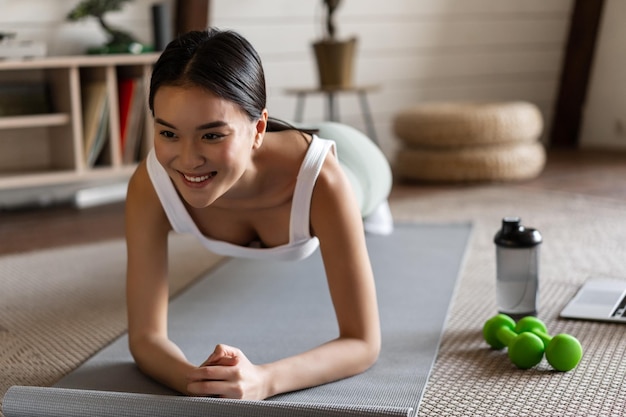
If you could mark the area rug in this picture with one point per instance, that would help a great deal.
(583, 237)
(277, 309)
(59, 307)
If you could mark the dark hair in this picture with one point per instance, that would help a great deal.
(221, 61)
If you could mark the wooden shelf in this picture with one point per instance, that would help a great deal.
(79, 61)
(39, 120)
(37, 179)
(48, 149)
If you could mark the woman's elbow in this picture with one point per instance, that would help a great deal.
(369, 354)
(373, 352)
(136, 347)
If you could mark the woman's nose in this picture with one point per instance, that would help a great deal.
(190, 154)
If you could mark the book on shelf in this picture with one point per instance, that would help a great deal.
(132, 103)
(95, 119)
(24, 98)
(125, 89)
(101, 137)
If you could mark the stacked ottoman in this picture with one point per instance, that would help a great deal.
(469, 142)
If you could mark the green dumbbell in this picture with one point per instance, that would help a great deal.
(563, 351)
(525, 350)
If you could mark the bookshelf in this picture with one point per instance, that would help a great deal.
(48, 145)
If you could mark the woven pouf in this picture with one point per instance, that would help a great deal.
(502, 162)
(469, 141)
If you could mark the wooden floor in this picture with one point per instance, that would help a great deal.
(597, 173)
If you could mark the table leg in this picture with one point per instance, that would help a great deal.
(299, 107)
(333, 114)
(367, 116)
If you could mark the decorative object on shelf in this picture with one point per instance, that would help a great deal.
(6, 36)
(335, 58)
(12, 49)
(162, 30)
(120, 42)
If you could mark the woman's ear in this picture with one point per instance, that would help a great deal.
(261, 126)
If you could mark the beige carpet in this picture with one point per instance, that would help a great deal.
(58, 307)
(583, 237)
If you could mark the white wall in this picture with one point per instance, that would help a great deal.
(604, 114)
(416, 50)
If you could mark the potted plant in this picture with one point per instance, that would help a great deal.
(119, 41)
(335, 58)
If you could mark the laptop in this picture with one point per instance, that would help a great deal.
(598, 299)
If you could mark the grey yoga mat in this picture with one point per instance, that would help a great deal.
(271, 310)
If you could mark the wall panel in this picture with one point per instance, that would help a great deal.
(416, 50)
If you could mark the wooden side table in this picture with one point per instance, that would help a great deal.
(332, 111)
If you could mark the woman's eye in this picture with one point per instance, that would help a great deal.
(212, 136)
(167, 134)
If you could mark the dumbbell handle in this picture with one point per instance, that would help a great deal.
(545, 337)
(506, 335)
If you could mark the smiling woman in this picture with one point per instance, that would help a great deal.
(247, 185)
(194, 150)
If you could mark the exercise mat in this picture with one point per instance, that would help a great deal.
(275, 309)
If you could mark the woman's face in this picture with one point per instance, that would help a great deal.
(205, 143)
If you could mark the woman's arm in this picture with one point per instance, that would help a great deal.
(336, 221)
(147, 292)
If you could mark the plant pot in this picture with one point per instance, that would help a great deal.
(335, 62)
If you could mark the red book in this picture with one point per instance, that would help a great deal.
(126, 87)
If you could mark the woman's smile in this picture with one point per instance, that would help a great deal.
(198, 179)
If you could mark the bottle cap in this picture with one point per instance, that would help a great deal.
(514, 235)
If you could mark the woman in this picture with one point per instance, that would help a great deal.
(248, 186)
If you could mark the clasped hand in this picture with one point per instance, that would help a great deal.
(227, 373)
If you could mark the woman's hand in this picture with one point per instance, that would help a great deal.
(227, 373)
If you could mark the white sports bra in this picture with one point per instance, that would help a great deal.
(301, 244)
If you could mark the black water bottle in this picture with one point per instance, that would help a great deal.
(517, 268)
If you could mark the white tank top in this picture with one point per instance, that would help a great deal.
(301, 244)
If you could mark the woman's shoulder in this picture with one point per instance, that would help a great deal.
(140, 188)
(142, 202)
(140, 180)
